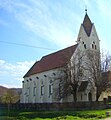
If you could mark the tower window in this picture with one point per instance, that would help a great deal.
(95, 46)
(82, 42)
(85, 46)
(92, 46)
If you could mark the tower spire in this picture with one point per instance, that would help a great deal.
(87, 24)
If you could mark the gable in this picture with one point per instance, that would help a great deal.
(52, 61)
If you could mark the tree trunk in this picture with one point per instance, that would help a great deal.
(74, 97)
(98, 93)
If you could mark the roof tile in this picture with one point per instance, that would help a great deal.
(52, 61)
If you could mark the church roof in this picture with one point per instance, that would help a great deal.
(52, 61)
(83, 86)
(87, 24)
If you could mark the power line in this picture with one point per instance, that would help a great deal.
(25, 45)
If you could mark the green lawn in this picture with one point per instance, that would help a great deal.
(54, 115)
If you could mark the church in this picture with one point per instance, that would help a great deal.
(46, 79)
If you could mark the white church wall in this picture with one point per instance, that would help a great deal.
(43, 82)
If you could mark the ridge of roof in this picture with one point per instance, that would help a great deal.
(59, 50)
(87, 24)
(52, 61)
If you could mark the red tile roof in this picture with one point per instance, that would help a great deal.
(52, 61)
(87, 24)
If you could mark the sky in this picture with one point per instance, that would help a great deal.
(31, 29)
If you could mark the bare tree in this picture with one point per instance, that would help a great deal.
(96, 66)
(10, 97)
(73, 72)
(105, 61)
(85, 65)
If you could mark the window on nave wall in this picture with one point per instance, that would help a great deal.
(42, 90)
(34, 91)
(51, 87)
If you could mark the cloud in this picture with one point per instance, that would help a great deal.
(12, 73)
(17, 69)
(51, 22)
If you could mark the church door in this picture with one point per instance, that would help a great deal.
(90, 96)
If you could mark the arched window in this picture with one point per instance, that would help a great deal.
(51, 87)
(85, 46)
(42, 90)
(92, 46)
(95, 46)
(34, 91)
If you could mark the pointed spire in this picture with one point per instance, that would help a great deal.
(87, 24)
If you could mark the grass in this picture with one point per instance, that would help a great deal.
(54, 115)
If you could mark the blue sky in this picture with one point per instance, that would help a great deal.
(52, 24)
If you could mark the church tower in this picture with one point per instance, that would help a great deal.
(87, 37)
(89, 46)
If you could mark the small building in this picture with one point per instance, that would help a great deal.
(45, 79)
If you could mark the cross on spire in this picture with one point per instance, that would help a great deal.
(86, 10)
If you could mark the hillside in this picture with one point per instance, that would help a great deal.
(3, 90)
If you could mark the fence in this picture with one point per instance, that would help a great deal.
(57, 106)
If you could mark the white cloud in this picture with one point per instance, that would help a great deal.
(13, 72)
(17, 69)
(2, 62)
(45, 20)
